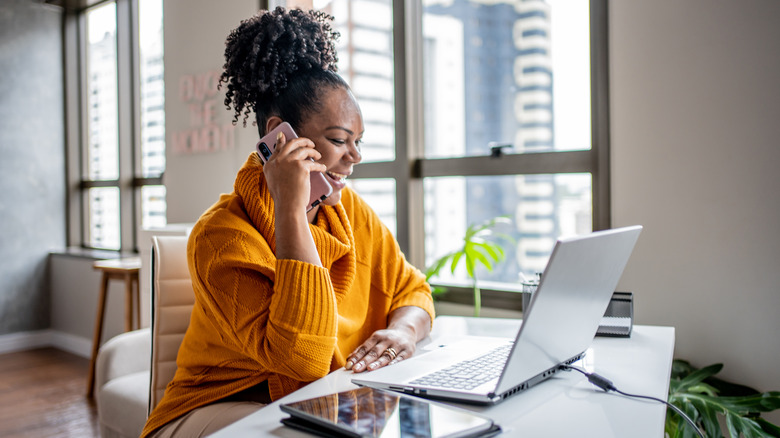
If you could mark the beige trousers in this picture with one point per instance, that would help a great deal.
(206, 420)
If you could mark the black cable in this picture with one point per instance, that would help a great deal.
(607, 386)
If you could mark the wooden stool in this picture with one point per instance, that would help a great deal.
(126, 269)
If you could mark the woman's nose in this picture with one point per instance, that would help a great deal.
(353, 153)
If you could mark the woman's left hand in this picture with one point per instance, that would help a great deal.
(406, 326)
(384, 347)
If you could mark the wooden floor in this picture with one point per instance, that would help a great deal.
(42, 394)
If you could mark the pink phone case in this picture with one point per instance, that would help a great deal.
(320, 189)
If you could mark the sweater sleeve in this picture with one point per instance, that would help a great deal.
(288, 325)
(392, 273)
(407, 282)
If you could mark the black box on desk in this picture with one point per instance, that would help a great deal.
(618, 320)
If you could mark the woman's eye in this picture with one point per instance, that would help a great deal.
(337, 141)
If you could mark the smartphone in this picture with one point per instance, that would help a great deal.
(320, 189)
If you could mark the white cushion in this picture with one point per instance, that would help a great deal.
(123, 405)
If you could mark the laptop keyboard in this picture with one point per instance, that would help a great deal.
(470, 373)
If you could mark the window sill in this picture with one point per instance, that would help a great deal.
(494, 295)
(90, 254)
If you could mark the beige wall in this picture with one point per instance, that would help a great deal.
(75, 289)
(695, 155)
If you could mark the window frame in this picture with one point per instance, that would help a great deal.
(130, 181)
(410, 166)
(408, 169)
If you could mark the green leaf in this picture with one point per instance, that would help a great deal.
(708, 417)
(762, 402)
(768, 428)
(703, 388)
(438, 290)
(730, 419)
(495, 251)
(455, 260)
(680, 369)
(699, 375)
(469, 265)
(478, 256)
(437, 265)
(746, 426)
(685, 428)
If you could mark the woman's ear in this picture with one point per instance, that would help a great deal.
(272, 123)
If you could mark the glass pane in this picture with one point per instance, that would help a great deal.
(365, 52)
(379, 193)
(150, 34)
(102, 113)
(540, 208)
(153, 207)
(514, 73)
(104, 217)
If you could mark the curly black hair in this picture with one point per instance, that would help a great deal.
(276, 64)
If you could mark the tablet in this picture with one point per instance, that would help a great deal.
(375, 413)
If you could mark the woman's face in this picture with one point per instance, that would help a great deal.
(336, 131)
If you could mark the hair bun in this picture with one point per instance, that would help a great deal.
(267, 50)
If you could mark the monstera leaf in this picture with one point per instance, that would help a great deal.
(696, 392)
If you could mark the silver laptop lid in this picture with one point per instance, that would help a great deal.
(566, 308)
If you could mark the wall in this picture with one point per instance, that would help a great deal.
(199, 170)
(32, 160)
(695, 150)
(74, 298)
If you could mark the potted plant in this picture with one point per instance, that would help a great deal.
(704, 398)
(481, 245)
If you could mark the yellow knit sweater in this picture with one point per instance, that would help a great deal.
(257, 318)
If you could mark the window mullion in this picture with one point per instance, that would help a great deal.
(600, 114)
(73, 65)
(409, 112)
(513, 164)
(126, 122)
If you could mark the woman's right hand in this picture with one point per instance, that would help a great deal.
(287, 172)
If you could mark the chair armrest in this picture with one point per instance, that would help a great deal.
(123, 354)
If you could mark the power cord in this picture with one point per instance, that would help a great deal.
(607, 386)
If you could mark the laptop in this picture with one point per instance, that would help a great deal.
(557, 329)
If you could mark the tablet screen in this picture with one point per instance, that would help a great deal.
(368, 412)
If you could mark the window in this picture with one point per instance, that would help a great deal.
(118, 176)
(102, 142)
(445, 84)
(513, 74)
(152, 97)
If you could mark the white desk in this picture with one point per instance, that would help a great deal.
(566, 405)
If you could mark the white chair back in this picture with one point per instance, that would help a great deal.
(172, 302)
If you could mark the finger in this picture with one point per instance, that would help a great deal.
(316, 167)
(387, 357)
(354, 357)
(371, 356)
(373, 359)
(357, 356)
(284, 148)
(401, 356)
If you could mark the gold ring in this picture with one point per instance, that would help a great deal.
(391, 352)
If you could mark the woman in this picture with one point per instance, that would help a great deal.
(283, 296)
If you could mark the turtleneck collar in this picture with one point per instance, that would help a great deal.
(332, 232)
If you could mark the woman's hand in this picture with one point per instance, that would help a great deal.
(287, 172)
(384, 347)
(287, 176)
(406, 327)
